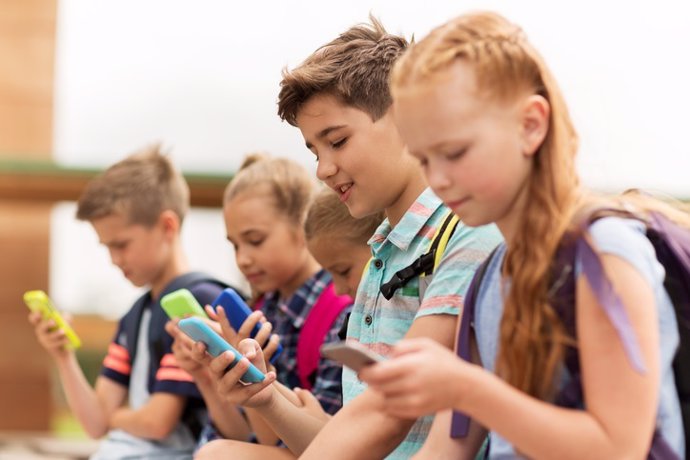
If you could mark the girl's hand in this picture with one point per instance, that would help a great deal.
(228, 383)
(182, 349)
(311, 405)
(421, 378)
(269, 342)
(49, 336)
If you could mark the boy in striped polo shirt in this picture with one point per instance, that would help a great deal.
(339, 99)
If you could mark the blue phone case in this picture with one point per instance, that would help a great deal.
(237, 311)
(198, 330)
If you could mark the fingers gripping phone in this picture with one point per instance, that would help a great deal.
(39, 301)
(237, 312)
(199, 331)
(352, 355)
(181, 303)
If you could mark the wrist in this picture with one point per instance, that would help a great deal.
(470, 378)
(271, 403)
(64, 358)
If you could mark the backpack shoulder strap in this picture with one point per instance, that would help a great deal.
(460, 423)
(158, 315)
(131, 322)
(425, 264)
(323, 314)
(189, 280)
(441, 239)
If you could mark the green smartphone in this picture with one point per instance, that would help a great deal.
(39, 301)
(181, 304)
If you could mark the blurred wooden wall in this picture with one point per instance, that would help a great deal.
(27, 54)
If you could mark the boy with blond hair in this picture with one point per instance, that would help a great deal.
(142, 400)
(340, 101)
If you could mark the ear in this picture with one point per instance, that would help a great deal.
(169, 222)
(535, 123)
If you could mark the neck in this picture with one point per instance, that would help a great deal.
(414, 187)
(177, 265)
(306, 271)
(510, 222)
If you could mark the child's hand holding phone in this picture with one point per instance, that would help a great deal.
(52, 330)
(228, 382)
(244, 323)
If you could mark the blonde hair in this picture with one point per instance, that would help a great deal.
(354, 67)
(532, 336)
(289, 185)
(140, 187)
(329, 216)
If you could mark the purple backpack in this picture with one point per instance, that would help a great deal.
(672, 245)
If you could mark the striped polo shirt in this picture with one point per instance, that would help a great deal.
(377, 323)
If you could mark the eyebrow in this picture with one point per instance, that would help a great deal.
(325, 132)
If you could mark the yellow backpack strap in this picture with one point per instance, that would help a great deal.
(443, 235)
(425, 264)
(365, 270)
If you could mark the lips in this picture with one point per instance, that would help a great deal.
(454, 204)
(252, 277)
(344, 190)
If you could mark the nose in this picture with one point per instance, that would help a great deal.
(326, 167)
(437, 176)
(116, 257)
(242, 258)
(341, 287)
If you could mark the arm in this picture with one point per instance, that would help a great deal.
(362, 429)
(91, 407)
(277, 405)
(154, 420)
(227, 418)
(440, 446)
(610, 384)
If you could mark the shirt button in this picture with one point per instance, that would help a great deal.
(378, 263)
(368, 320)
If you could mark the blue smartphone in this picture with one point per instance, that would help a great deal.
(237, 310)
(199, 331)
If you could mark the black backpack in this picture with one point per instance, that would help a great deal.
(132, 320)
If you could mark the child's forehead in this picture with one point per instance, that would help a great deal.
(328, 108)
(256, 204)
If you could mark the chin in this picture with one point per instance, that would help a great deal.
(359, 213)
(475, 220)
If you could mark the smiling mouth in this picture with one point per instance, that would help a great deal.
(344, 190)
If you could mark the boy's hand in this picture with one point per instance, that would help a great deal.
(268, 342)
(49, 336)
(228, 383)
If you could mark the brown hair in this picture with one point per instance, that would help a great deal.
(354, 67)
(140, 187)
(329, 216)
(506, 66)
(290, 186)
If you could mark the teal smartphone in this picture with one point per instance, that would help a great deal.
(215, 345)
(39, 301)
(181, 303)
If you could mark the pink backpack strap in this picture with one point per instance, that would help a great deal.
(328, 307)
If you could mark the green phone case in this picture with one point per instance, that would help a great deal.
(39, 301)
(181, 303)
